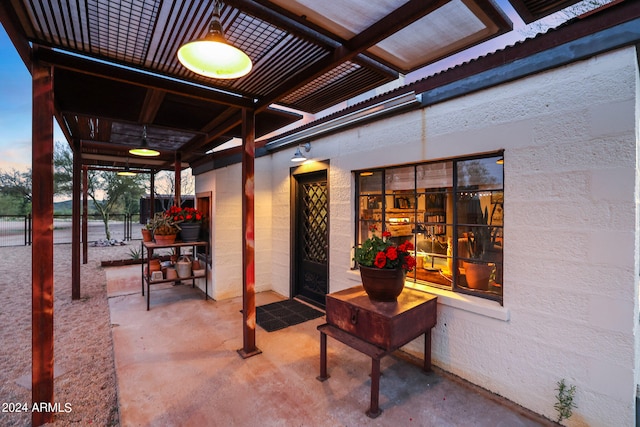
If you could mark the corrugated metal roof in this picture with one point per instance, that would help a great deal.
(115, 62)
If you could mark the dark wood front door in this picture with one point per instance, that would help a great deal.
(311, 238)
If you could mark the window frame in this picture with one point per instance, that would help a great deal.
(456, 191)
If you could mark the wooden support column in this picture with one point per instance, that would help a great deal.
(75, 222)
(42, 248)
(152, 194)
(85, 214)
(248, 237)
(178, 180)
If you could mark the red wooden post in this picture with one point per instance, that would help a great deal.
(248, 237)
(152, 193)
(75, 222)
(85, 213)
(178, 182)
(42, 249)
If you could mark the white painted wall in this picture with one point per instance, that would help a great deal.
(571, 231)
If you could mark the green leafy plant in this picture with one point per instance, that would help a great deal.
(134, 253)
(564, 404)
(481, 240)
(163, 224)
(380, 252)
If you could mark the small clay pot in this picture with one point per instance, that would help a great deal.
(171, 273)
(154, 265)
(147, 236)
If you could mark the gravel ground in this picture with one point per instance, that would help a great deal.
(84, 369)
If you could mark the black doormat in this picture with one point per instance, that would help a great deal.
(279, 315)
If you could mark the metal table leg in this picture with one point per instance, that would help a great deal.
(323, 358)
(374, 410)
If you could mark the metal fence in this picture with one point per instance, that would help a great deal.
(16, 230)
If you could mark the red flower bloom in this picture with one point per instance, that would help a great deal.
(381, 260)
(410, 262)
(380, 252)
(186, 214)
(392, 253)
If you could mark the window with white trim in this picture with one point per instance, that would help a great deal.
(452, 212)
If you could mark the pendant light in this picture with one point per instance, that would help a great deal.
(212, 56)
(126, 171)
(144, 150)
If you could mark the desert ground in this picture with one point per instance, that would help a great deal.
(83, 349)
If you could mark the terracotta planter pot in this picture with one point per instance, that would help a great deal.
(382, 284)
(162, 239)
(171, 273)
(146, 235)
(154, 265)
(477, 275)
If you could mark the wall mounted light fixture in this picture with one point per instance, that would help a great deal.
(298, 156)
(144, 150)
(213, 56)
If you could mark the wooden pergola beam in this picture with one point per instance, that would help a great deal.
(85, 213)
(75, 223)
(248, 236)
(42, 248)
(177, 180)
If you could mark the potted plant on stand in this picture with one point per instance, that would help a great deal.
(147, 232)
(383, 265)
(480, 244)
(165, 230)
(189, 219)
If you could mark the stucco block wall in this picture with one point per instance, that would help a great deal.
(226, 236)
(570, 310)
(281, 223)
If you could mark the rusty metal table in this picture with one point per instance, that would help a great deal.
(377, 329)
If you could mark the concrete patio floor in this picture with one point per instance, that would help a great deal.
(178, 365)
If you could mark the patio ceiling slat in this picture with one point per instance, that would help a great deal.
(301, 59)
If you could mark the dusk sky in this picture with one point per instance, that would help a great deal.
(15, 91)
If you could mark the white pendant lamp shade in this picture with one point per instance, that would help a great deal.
(212, 56)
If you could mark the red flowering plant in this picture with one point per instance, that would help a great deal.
(380, 252)
(184, 215)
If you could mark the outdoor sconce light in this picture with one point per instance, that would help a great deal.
(298, 156)
(500, 161)
(126, 171)
(212, 56)
(144, 150)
